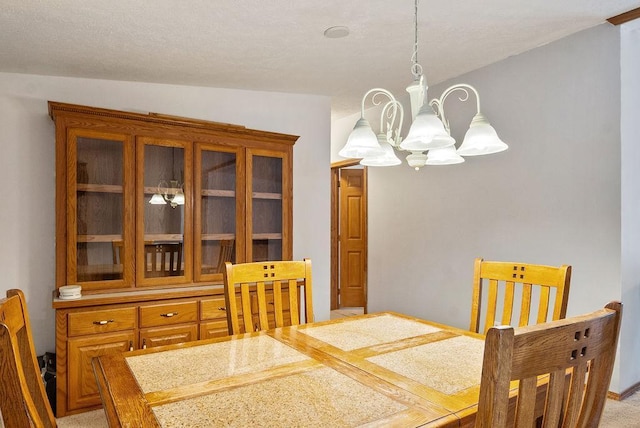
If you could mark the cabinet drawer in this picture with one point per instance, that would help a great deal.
(168, 314)
(101, 321)
(270, 301)
(213, 329)
(158, 336)
(215, 309)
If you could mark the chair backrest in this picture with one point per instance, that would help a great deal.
(578, 355)
(23, 400)
(117, 247)
(163, 259)
(524, 280)
(226, 253)
(256, 280)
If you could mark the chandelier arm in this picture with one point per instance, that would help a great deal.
(438, 103)
(390, 111)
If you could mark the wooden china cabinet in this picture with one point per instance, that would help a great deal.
(148, 208)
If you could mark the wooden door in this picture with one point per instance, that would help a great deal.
(352, 238)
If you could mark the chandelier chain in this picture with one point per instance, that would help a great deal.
(416, 69)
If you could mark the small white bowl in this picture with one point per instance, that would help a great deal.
(69, 292)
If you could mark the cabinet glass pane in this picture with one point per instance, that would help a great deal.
(267, 208)
(99, 208)
(218, 204)
(164, 211)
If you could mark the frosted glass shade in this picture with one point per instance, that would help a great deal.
(444, 156)
(388, 158)
(481, 139)
(362, 142)
(157, 199)
(424, 128)
(178, 199)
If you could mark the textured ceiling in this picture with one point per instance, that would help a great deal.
(278, 45)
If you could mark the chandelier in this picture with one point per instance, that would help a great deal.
(429, 131)
(169, 193)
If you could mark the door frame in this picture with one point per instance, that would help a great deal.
(335, 228)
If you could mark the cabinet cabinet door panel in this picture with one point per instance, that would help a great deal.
(218, 183)
(82, 387)
(100, 204)
(164, 220)
(269, 187)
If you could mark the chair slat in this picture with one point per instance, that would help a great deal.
(492, 303)
(262, 308)
(293, 302)
(277, 303)
(555, 398)
(507, 312)
(245, 298)
(576, 391)
(526, 402)
(525, 305)
(543, 306)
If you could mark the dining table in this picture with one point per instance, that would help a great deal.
(378, 369)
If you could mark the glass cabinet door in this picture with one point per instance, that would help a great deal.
(218, 201)
(164, 220)
(270, 190)
(99, 201)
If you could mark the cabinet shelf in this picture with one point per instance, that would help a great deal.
(99, 188)
(266, 236)
(99, 238)
(217, 236)
(162, 237)
(219, 193)
(167, 190)
(265, 195)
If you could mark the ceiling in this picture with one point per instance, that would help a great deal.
(278, 45)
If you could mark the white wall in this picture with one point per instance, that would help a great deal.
(630, 138)
(552, 198)
(27, 170)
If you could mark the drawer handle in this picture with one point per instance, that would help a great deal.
(222, 308)
(130, 345)
(169, 314)
(103, 322)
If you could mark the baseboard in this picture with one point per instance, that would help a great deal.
(624, 394)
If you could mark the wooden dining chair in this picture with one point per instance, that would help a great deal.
(23, 399)
(281, 278)
(576, 353)
(163, 259)
(226, 253)
(508, 279)
(117, 248)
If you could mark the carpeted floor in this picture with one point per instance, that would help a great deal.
(622, 414)
(617, 414)
(94, 419)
